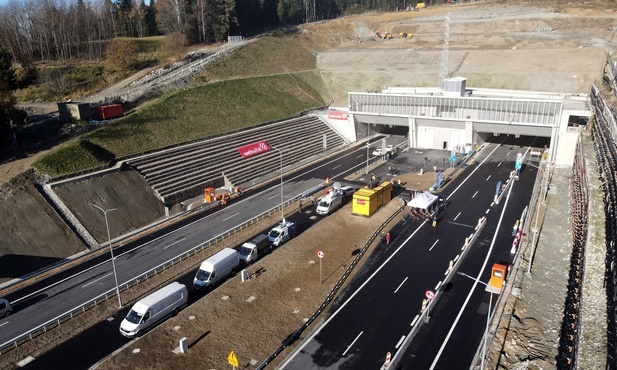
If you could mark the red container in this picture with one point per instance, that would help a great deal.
(110, 111)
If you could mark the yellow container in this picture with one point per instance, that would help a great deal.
(368, 201)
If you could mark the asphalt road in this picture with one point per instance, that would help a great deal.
(377, 313)
(50, 298)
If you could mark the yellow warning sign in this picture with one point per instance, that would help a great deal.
(232, 359)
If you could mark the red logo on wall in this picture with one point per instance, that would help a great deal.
(337, 114)
(254, 149)
(360, 201)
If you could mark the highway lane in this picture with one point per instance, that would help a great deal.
(456, 327)
(95, 343)
(61, 293)
(378, 316)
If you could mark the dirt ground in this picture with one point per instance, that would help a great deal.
(515, 47)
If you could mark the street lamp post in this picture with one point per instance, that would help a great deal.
(368, 146)
(488, 315)
(282, 200)
(113, 263)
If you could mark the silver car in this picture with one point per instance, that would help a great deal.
(5, 308)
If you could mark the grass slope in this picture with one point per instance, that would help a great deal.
(187, 115)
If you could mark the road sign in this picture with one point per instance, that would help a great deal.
(430, 294)
(232, 359)
(320, 254)
(519, 161)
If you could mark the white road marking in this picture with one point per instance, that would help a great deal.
(401, 284)
(400, 341)
(172, 244)
(4, 323)
(354, 341)
(489, 176)
(415, 319)
(433, 245)
(361, 155)
(474, 194)
(94, 281)
(488, 210)
(498, 164)
(457, 216)
(460, 313)
(456, 258)
(274, 196)
(234, 215)
(335, 167)
(437, 286)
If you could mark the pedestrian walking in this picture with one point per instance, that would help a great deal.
(388, 239)
(300, 204)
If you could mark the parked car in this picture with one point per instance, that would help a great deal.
(380, 151)
(5, 308)
(348, 190)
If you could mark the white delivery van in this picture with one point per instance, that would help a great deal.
(282, 232)
(154, 309)
(258, 246)
(216, 268)
(332, 200)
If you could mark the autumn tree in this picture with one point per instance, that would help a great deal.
(121, 55)
(176, 44)
(171, 16)
(7, 99)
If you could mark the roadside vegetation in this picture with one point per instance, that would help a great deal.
(186, 115)
(282, 83)
(278, 52)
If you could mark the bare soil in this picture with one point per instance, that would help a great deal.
(492, 45)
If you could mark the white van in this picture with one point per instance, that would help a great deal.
(153, 309)
(216, 268)
(332, 200)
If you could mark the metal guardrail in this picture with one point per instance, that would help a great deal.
(424, 314)
(296, 335)
(58, 320)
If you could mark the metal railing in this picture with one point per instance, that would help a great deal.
(111, 293)
(296, 334)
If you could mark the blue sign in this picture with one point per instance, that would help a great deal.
(519, 161)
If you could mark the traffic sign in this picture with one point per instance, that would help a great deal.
(519, 161)
(232, 359)
(320, 254)
(430, 295)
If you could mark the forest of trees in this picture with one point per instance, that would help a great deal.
(60, 30)
(43, 31)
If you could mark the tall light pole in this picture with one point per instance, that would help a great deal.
(368, 146)
(282, 201)
(488, 315)
(113, 263)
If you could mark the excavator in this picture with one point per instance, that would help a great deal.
(384, 35)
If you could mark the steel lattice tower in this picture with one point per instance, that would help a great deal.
(443, 72)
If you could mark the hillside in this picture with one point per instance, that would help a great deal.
(516, 47)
